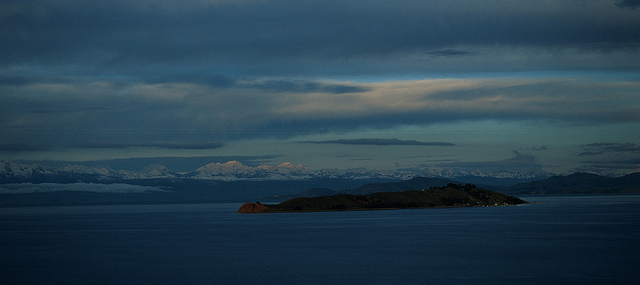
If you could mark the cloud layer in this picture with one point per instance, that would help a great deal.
(519, 164)
(203, 75)
(220, 42)
(381, 142)
(602, 148)
(195, 116)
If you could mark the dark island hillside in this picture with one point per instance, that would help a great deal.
(452, 195)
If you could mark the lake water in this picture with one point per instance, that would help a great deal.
(565, 240)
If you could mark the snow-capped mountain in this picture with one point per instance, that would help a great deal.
(15, 172)
(11, 172)
(232, 170)
(22, 170)
(363, 173)
(285, 170)
(152, 171)
(502, 174)
(83, 169)
(157, 171)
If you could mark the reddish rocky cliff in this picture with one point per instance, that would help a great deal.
(252, 208)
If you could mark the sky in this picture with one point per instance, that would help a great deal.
(485, 87)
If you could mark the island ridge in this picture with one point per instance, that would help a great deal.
(452, 195)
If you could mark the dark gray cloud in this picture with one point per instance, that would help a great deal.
(188, 76)
(542, 147)
(616, 166)
(57, 139)
(601, 148)
(631, 4)
(382, 142)
(519, 163)
(289, 37)
(451, 52)
(28, 146)
(164, 145)
(303, 87)
(11, 147)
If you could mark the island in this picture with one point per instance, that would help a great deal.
(451, 195)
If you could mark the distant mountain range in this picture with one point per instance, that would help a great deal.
(577, 183)
(61, 172)
(264, 180)
(11, 172)
(417, 183)
(580, 183)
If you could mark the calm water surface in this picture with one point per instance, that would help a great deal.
(561, 240)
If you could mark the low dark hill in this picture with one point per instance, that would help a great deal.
(580, 183)
(312, 192)
(452, 195)
(417, 183)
